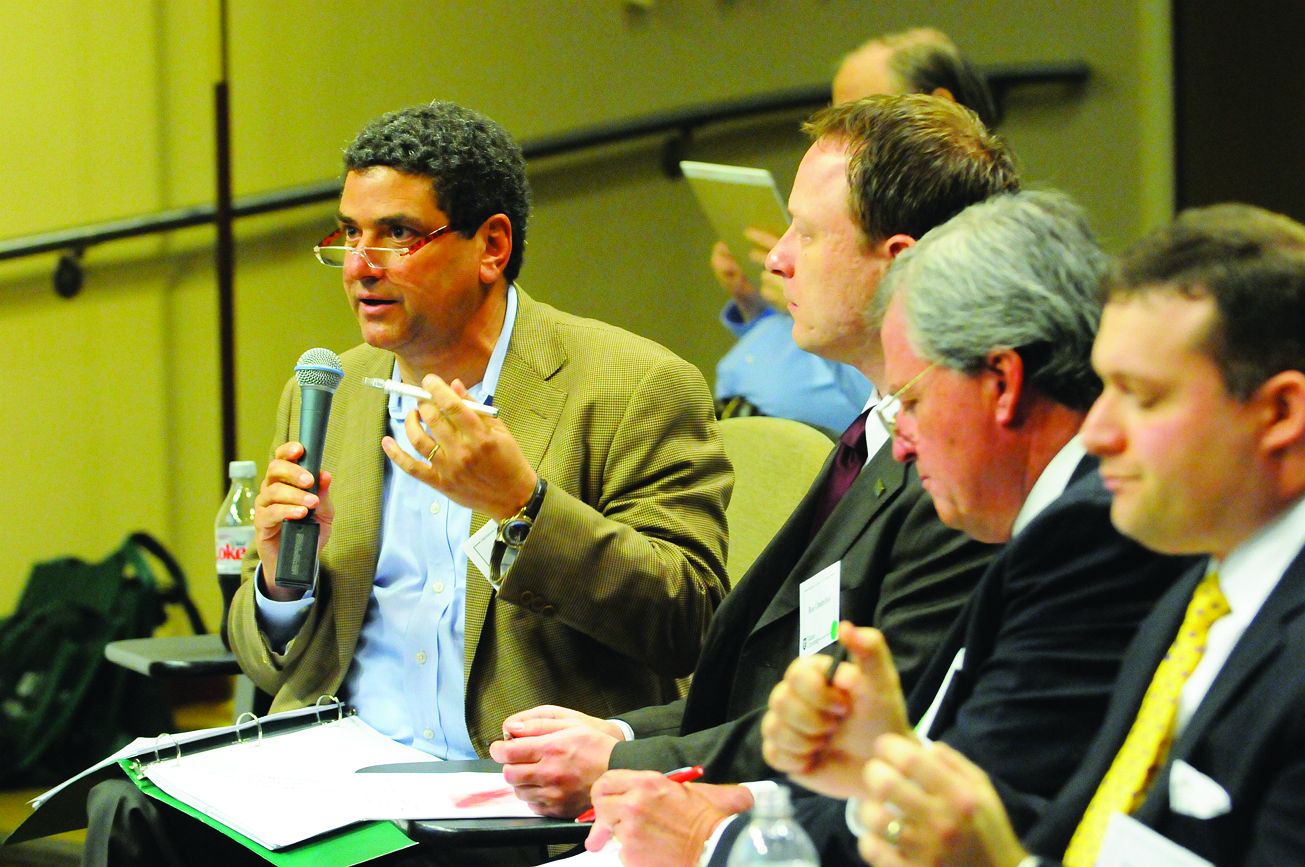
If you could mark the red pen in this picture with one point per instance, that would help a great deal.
(682, 775)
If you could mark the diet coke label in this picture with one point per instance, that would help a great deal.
(232, 542)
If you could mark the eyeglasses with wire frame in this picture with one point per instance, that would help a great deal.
(888, 408)
(335, 255)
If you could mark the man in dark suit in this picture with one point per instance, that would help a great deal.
(1039, 643)
(1201, 435)
(880, 173)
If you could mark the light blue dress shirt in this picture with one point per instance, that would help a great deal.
(406, 676)
(778, 378)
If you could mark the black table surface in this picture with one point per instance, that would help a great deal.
(173, 655)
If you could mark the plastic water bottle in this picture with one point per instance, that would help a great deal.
(234, 532)
(773, 837)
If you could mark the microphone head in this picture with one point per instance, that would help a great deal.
(319, 368)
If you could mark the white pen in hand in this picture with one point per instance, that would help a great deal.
(402, 388)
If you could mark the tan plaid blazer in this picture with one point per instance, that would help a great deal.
(609, 599)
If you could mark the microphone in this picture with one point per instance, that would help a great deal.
(319, 375)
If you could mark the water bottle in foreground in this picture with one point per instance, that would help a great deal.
(773, 837)
(234, 532)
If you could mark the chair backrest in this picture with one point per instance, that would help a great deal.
(775, 461)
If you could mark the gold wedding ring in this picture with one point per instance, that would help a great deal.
(893, 831)
(430, 458)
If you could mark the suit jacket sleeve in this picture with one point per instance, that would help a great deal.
(658, 719)
(730, 752)
(648, 545)
(258, 660)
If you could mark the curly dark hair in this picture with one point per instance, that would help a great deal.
(475, 167)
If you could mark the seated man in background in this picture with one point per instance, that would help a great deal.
(765, 372)
(880, 173)
(1201, 435)
(605, 457)
(1003, 302)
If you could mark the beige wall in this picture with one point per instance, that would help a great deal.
(111, 398)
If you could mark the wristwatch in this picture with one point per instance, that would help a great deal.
(514, 530)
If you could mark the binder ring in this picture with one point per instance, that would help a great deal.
(329, 699)
(158, 742)
(240, 720)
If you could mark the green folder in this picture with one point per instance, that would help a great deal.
(353, 845)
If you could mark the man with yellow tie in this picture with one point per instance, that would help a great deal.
(986, 338)
(1201, 434)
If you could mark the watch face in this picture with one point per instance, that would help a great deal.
(515, 531)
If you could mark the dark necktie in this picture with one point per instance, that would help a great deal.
(849, 458)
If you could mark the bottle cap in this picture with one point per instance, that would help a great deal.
(772, 801)
(242, 469)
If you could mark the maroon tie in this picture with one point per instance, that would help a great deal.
(849, 458)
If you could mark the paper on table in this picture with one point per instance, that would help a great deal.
(436, 796)
(168, 744)
(163, 743)
(294, 786)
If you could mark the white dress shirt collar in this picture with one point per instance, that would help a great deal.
(875, 434)
(1051, 483)
(1246, 576)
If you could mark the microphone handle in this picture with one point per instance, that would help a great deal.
(314, 410)
(296, 564)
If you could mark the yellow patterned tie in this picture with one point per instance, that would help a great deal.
(1125, 785)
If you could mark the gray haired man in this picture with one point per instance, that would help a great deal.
(1201, 435)
(987, 330)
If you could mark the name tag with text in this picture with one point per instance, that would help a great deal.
(818, 599)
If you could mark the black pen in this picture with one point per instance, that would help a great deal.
(840, 655)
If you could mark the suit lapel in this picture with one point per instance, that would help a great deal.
(875, 487)
(359, 470)
(1258, 645)
(1153, 643)
(530, 405)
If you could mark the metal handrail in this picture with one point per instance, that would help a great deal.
(681, 122)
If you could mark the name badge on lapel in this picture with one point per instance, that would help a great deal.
(818, 600)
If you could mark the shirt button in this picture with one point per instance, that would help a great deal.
(438, 587)
(428, 734)
(435, 507)
(421, 657)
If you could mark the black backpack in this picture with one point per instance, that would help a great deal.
(63, 706)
